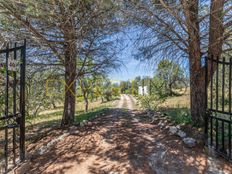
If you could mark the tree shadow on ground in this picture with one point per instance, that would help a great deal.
(118, 142)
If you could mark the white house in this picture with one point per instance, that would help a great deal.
(143, 90)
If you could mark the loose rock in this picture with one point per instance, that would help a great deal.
(74, 132)
(161, 125)
(167, 127)
(72, 128)
(189, 142)
(135, 120)
(173, 130)
(150, 113)
(82, 124)
(90, 123)
(113, 172)
(181, 134)
(156, 159)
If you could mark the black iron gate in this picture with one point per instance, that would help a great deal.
(12, 108)
(218, 114)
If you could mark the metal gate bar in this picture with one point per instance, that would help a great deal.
(13, 119)
(218, 107)
(22, 102)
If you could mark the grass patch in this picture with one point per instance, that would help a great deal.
(89, 115)
(178, 115)
(177, 108)
(53, 117)
(44, 118)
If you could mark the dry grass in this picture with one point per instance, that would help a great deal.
(53, 116)
(177, 108)
(80, 106)
(182, 101)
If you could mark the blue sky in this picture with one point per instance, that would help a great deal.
(131, 68)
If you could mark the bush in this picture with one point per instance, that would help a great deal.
(150, 101)
(179, 115)
(115, 92)
(108, 95)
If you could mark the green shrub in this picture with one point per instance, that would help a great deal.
(150, 101)
(179, 115)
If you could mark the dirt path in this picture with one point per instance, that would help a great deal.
(127, 102)
(119, 143)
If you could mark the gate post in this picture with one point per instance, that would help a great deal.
(22, 102)
(206, 101)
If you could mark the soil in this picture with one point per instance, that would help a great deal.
(122, 141)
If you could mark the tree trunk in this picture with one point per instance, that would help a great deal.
(197, 95)
(86, 103)
(197, 90)
(53, 105)
(216, 28)
(197, 71)
(70, 89)
(216, 32)
(102, 99)
(170, 89)
(84, 90)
